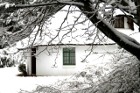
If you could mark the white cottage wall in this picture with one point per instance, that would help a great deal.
(49, 60)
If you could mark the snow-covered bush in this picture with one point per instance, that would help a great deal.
(6, 60)
(124, 77)
(11, 57)
(22, 68)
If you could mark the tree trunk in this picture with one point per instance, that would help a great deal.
(121, 39)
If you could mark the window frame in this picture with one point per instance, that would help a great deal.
(69, 56)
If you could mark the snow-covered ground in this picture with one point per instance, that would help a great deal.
(11, 83)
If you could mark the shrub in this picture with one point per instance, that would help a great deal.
(7, 62)
(22, 68)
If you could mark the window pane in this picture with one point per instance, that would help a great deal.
(72, 54)
(130, 22)
(72, 60)
(65, 54)
(119, 22)
(66, 60)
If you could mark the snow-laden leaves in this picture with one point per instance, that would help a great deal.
(123, 78)
(6, 5)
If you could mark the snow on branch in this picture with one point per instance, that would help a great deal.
(7, 6)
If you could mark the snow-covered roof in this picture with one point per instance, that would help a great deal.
(120, 12)
(61, 31)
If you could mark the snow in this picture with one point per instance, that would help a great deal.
(6, 4)
(11, 83)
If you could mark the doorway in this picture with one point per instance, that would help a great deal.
(33, 61)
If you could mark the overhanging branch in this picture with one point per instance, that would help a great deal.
(13, 7)
(52, 3)
(121, 39)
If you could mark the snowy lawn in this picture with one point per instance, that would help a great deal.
(11, 83)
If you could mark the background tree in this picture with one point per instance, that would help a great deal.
(19, 19)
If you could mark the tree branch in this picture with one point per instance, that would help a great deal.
(12, 7)
(19, 35)
(121, 39)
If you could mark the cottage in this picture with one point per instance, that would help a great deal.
(66, 55)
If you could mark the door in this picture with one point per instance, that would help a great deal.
(33, 61)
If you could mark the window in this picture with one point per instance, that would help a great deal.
(119, 22)
(68, 56)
